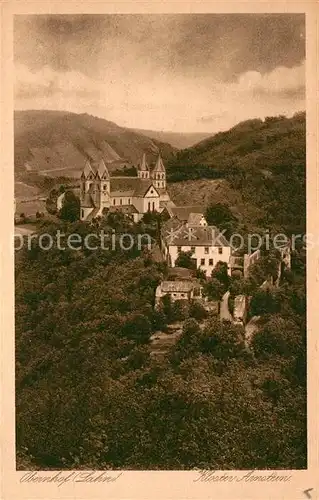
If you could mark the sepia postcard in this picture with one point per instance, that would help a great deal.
(159, 252)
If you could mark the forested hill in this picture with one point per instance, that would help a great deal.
(262, 161)
(59, 142)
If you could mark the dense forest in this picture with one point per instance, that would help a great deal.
(264, 161)
(91, 394)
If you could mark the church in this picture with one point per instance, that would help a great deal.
(133, 196)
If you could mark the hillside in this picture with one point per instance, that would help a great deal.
(57, 143)
(260, 169)
(179, 140)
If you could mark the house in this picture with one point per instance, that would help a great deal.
(188, 214)
(178, 290)
(206, 244)
(131, 195)
(196, 219)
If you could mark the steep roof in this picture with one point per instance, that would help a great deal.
(87, 170)
(159, 166)
(195, 236)
(194, 219)
(96, 168)
(178, 286)
(183, 213)
(93, 214)
(126, 209)
(87, 201)
(101, 170)
(130, 186)
(143, 166)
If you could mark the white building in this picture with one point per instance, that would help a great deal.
(178, 290)
(206, 244)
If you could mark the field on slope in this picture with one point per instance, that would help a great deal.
(258, 168)
(57, 143)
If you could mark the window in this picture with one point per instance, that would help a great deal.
(211, 262)
(183, 295)
(104, 187)
(149, 206)
(202, 262)
(206, 250)
(114, 201)
(121, 201)
(220, 250)
(193, 249)
(153, 206)
(82, 213)
(129, 201)
(179, 249)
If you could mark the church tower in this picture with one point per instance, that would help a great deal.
(102, 186)
(159, 174)
(87, 179)
(142, 169)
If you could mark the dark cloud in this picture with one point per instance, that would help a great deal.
(181, 72)
(216, 44)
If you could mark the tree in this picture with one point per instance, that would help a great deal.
(221, 216)
(279, 336)
(220, 272)
(70, 210)
(223, 340)
(184, 259)
(214, 289)
(189, 340)
(197, 311)
(264, 302)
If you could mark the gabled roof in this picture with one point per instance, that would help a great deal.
(178, 286)
(130, 186)
(195, 236)
(183, 213)
(159, 166)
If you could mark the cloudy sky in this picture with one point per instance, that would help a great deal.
(188, 73)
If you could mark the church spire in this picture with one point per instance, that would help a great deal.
(87, 170)
(102, 171)
(142, 169)
(144, 165)
(159, 166)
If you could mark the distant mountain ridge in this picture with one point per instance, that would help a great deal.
(178, 140)
(58, 143)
